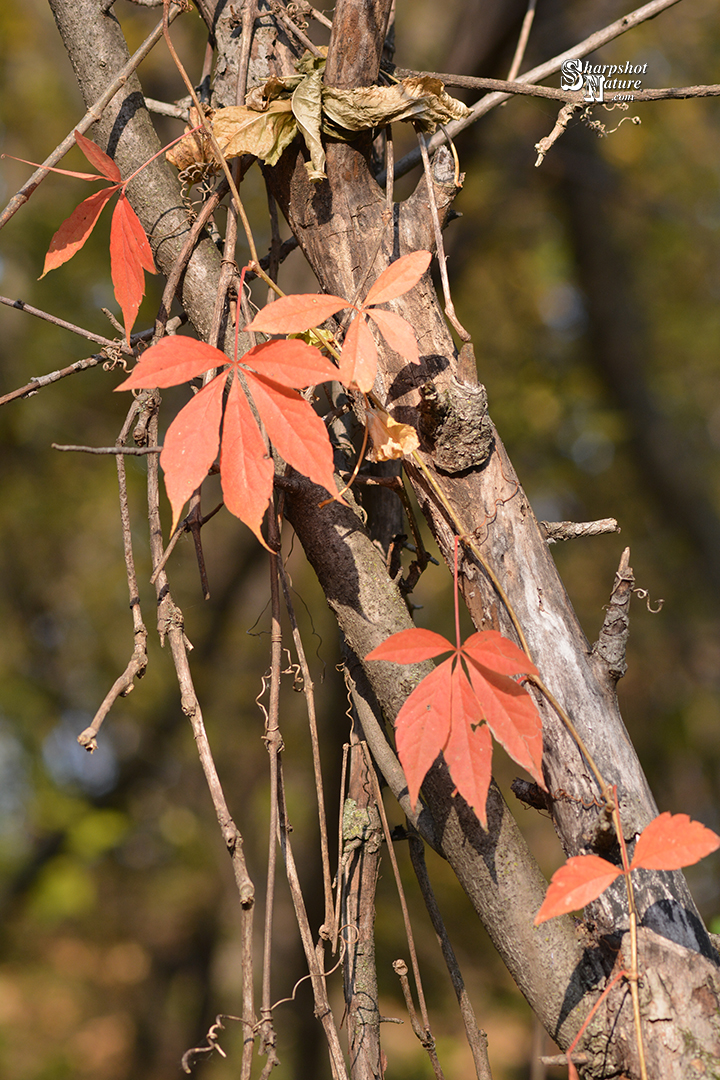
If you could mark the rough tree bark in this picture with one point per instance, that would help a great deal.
(341, 226)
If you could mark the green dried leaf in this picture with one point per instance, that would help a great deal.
(418, 98)
(307, 104)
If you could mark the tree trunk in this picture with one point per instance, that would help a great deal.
(342, 227)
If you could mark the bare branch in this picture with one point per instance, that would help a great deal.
(522, 40)
(119, 451)
(137, 664)
(490, 101)
(91, 116)
(553, 531)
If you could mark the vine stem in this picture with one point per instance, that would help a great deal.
(633, 975)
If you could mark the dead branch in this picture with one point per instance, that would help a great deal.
(490, 101)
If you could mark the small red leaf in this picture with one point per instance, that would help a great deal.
(572, 1071)
(75, 230)
(358, 360)
(422, 726)
(291, 363)
(492, 650)
(468, 751)
(398, 333)
(580, 881)
(62, 172)
(411, 646)
(191, 444)
(398, 278)
(127, 261)
(672, 841)
(293, 314)
(246, 468)
(174, 360)
(98, 158)
(295, 429)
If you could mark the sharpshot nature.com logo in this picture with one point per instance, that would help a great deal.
(618, 80)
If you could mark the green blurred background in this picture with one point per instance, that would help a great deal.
(591, 287)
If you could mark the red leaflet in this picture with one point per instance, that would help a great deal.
(294, 314)
(580, 881)
(295, 429)
(246, 469)
(453, 710)
(75, 230)
(398, 333)
(672, 841)
(358, 365)
(399, 277)
(358, 361)
(191, 444)
(97, 157)
(423, 725)
(130, 255)
(291, 362)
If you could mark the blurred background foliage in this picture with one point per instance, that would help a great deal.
(591, 288)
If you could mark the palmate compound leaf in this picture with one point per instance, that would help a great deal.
(246, 470)
(454, 709)
(672, 841)
(358, 364)
(580, 881)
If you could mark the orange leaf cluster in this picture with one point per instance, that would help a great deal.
(669, 842)
(272, 373)
(130, 253)
(457, 706)
(358, 365)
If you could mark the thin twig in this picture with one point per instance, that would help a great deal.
(108, 343)
(439, 245)
(249, 15)
(183, 258)
(522, 40)
(273, 744)
(477, 1039)
(137, 665)
(278, 10)
(39, 381)
(118, 451)
(308, 691)
(91, 116)
(426, 1037)
(170, 628)
(490, 101)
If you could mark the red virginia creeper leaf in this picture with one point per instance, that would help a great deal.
(511, 716)
(126, 263)
(191, 444)
(492, 650)
(422, 726)
(358, 360)
(295, 429)
(572, 1071)
(291, 363)
(98, 158)
(246, 468)
(174, 360)
(411, 646)
(580, 881)
(293, 314)
(75, 230)
(398, 278)
(672, 841)
(398, 333)
(468, 751)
